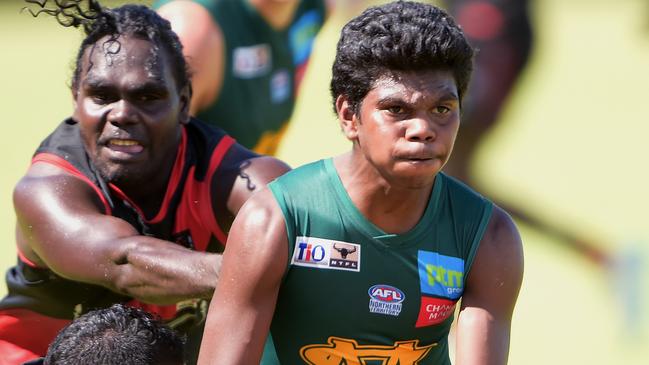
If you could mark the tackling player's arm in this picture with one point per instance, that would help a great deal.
(203, 46)
(484, 322)
(254, 173)
(61, 225)
(242, 308)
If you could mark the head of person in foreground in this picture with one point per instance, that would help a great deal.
(118, 335)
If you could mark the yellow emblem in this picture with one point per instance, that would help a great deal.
(347, 351)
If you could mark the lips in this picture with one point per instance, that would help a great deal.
(128, 146)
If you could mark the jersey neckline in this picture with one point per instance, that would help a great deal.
(392, 240)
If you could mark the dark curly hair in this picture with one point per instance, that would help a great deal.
(399, 36)
(99, 22)
(118, 335)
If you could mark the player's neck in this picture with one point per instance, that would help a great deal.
(277, 13)
(389, 206)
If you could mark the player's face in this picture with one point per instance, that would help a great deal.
(129, 109)
(407, 125)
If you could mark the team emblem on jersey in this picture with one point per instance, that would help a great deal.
(280, 86)
(386, 299)
(339, 350)
(326, 254)
(252, 61)
(433, 311)
(440, 275)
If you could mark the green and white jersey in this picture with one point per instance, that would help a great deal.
(263, 68)
(354, 293)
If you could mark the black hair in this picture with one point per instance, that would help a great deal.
(399, 36)
(119, 335)
(130, 20)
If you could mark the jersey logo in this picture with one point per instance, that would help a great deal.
(434, 311)
(440, 275)
(280, 86)
(302, 34)
(252, 61)
(347, 351)
(386, 299)
(326, 254)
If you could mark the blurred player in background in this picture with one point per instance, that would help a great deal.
(248, 58)
(502, 34)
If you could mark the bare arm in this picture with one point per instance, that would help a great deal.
(242, 308)
(484, 322)
(203, 47)
(61, 225)
(254, 174)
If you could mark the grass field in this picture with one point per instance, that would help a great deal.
(571, 148)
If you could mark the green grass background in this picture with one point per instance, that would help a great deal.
(571, 147)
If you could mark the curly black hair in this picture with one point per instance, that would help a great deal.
(399, 36)
(129, 20)
(118, 335)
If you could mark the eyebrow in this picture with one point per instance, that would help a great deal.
(155, 84)
(444, 96)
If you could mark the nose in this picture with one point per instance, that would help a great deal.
(122, 112)
(420, 129)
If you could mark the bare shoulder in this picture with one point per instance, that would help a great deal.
(502, 234)
(44, 184)
(268, 167)
(261, 219)
(253, 175)
(496, 275)
(183, 13)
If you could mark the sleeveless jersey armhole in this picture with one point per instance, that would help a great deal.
(276, 189)
(59, 162)
(482, 227)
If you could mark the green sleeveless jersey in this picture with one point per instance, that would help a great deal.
(353, 293)
(263, 68)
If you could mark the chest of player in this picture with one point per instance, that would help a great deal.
(359, 296)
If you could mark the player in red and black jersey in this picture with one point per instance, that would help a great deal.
(129, 200)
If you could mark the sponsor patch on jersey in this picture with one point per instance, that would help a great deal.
(385, 299)
(322, 253)
(280, 86)
(339, 350)
(440, 275)
(302, 34)
(251, 61)
(434, 311)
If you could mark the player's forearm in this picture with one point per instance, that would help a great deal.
(481, 338)
(159, 272)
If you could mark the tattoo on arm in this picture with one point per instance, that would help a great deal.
(249, 184)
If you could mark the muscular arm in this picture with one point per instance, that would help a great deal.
(203, 46)
(62, 226)
(484, 322)
(254, 261)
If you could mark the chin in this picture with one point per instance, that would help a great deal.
(118, 175)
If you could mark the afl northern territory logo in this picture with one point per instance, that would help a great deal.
(385, 299)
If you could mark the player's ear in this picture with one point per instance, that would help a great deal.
(346, 117)
(185, 101)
